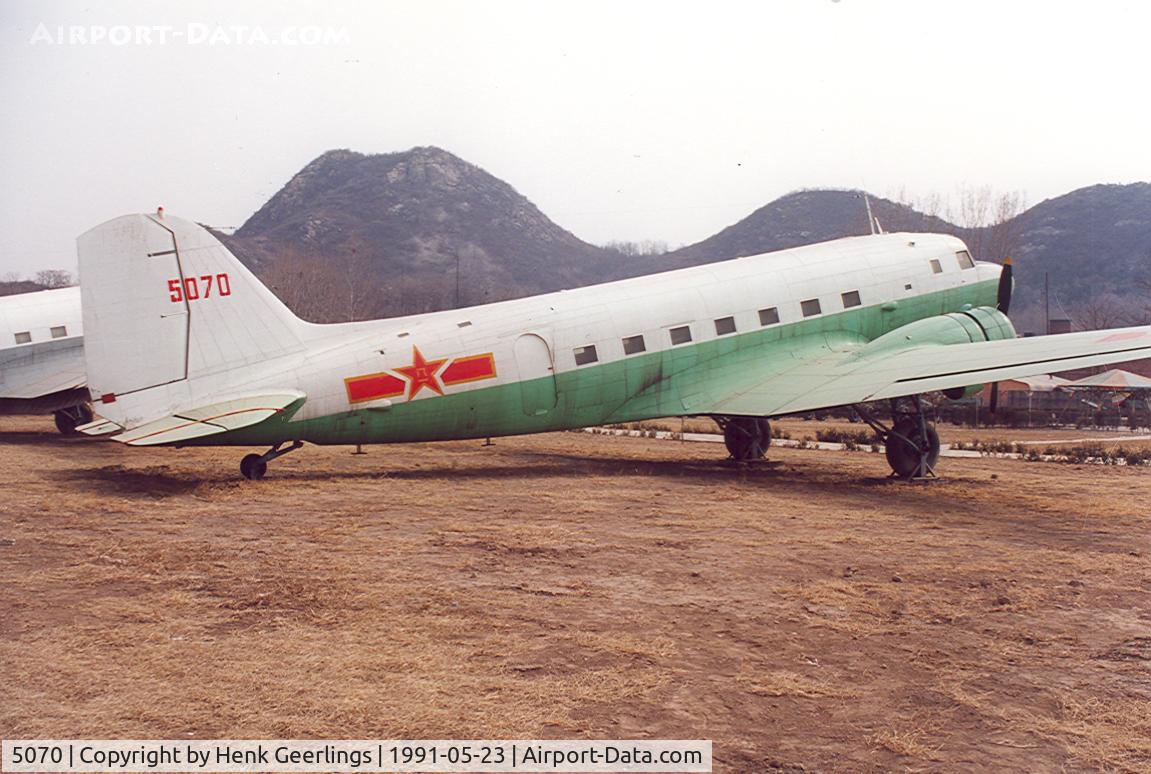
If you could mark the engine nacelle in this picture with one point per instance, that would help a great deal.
(982, 323)
(959, 393)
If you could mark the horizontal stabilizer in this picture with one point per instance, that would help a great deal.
(99, 427)
(219, 417)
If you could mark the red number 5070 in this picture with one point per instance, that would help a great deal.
(190, 289)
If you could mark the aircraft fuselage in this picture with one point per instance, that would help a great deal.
(612, 352)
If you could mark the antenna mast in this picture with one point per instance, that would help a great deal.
(872, 223)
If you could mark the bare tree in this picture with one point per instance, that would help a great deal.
(54, 278)
(1003, 231)
(989, 220)
(1102, 310)
(306, 283)
(643, 248)
(357, 282)
(1140, 313)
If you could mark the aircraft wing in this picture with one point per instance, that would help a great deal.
(41, 368)
(210, 419)
(837, 376)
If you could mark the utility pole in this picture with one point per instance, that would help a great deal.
(1046, 307)
(457, 278)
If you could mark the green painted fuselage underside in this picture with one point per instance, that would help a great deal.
(643, 386)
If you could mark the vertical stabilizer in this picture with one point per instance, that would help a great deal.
(167, 307)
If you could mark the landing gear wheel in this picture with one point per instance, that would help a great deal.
(747, 438)
(67, 420)
(906, 448)
(253, 467)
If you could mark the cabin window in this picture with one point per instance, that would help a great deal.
(907, 286)
(936, 266)
(724, 326)
(59, 331)
(680, 335)
(850, 299)
(964, 259)
(810, 307)
(768, 316)
(23, 337)
(633, 345)
(585, 355)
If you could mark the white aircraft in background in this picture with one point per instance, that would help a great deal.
(184, 346)
(42, 357)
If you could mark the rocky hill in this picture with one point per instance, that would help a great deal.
(410, 215)
(15, 287)
(1094, 244)
(803, 218)
(397, 224)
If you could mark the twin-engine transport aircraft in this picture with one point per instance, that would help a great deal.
(184, 346)
(42, 358)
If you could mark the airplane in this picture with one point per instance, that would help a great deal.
(42, 358)
(185, 347)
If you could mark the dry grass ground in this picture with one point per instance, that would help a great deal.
(948, 433)
(805, 614)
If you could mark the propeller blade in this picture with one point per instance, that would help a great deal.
(994, 397)
(1003, 297)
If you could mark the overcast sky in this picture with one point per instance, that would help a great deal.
(619, 120)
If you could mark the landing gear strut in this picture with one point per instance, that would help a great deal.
(911, 444)
(746, 438)
(254, 466)
(68, 419)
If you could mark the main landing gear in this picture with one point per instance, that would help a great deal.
(68, 419)
(746, 438)
(254, 466)
(911, 443)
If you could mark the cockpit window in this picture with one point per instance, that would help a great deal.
(964, 259)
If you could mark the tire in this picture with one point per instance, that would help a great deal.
(253, 467)
(64, 423)
(67, 420)
(903, 448)
(747, 438)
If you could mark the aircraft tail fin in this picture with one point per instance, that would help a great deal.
(170, 316)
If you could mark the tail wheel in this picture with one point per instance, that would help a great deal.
(747, 438)
(908, 453)
(253, 467)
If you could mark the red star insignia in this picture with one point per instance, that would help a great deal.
(422, 373)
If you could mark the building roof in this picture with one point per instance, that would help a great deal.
(1115, 379)
(1041, 383)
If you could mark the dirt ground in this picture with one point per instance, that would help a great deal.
(806, 614)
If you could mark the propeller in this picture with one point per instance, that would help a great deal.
(1003, 304)
(1003, 296)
